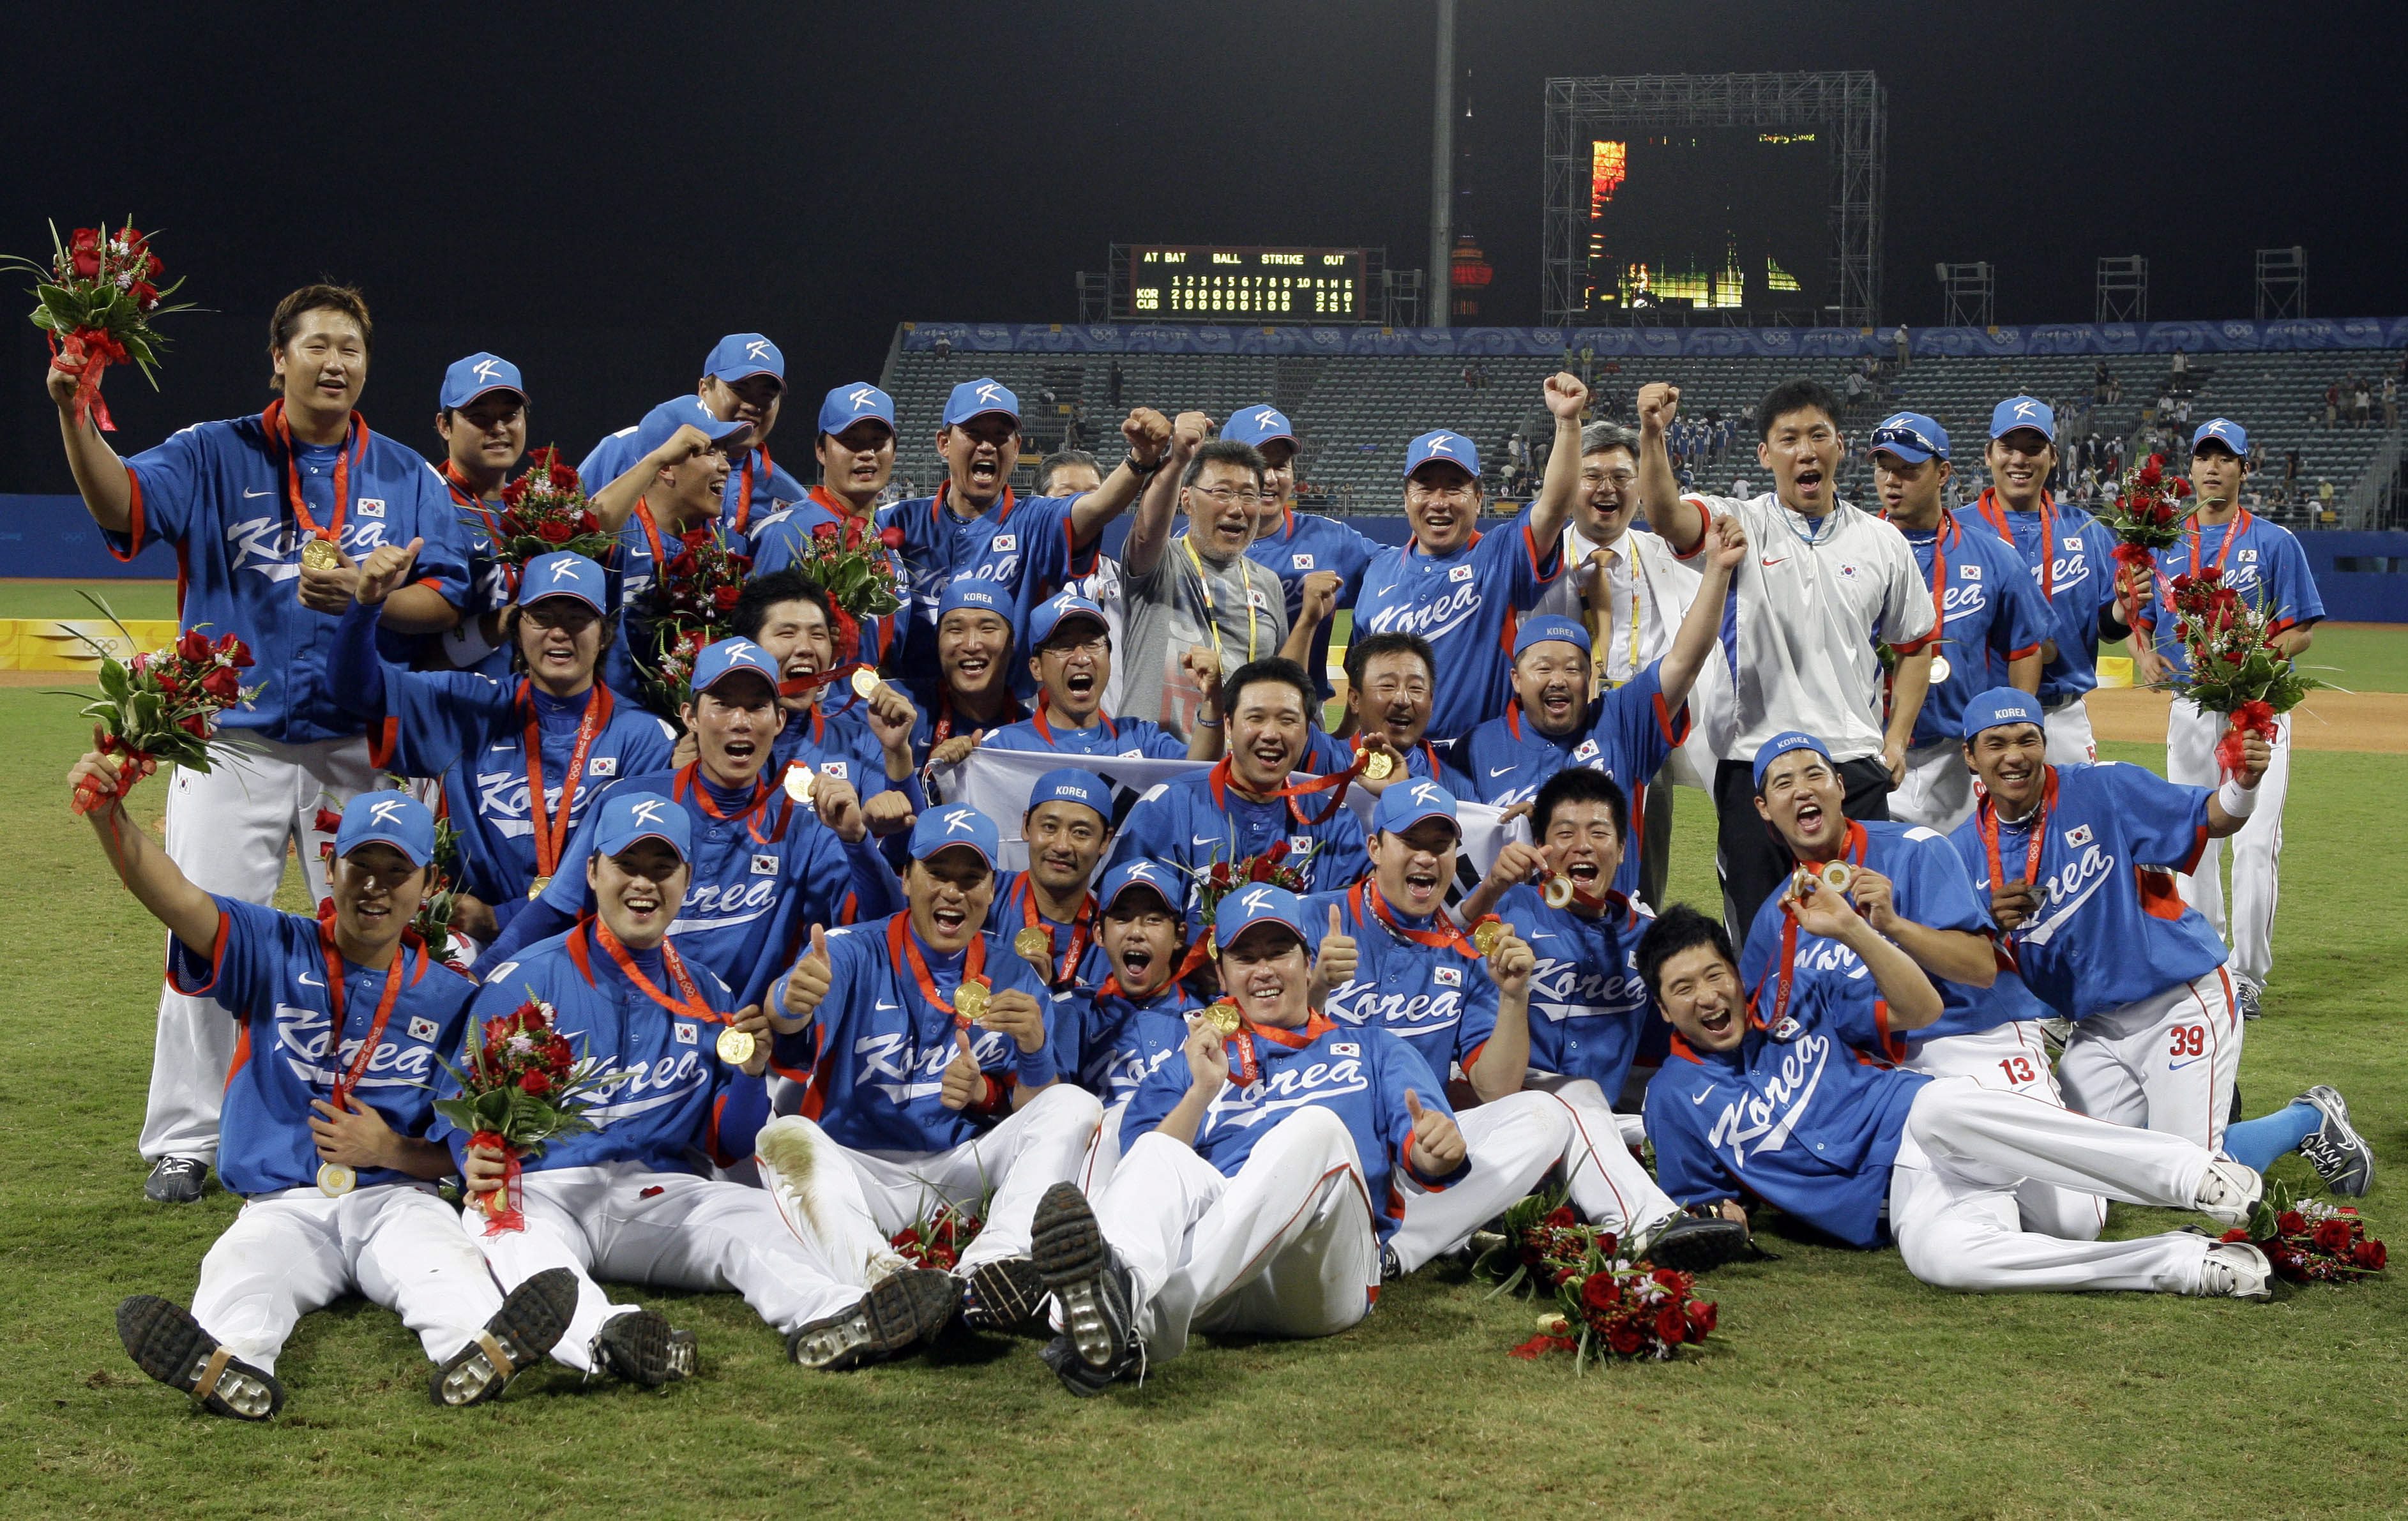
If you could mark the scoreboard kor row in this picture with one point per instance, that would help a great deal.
(1325, 285)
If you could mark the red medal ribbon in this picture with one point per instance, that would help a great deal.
(1986, 824)
(1222, 772)
(1082, 924)
(1046, 729)
(689, 781)
(1997, 518)
(1446, 938)
(744, 497)
(1852, 850)
(345, 1079)
(2232, 532)
(552, 829)
(355, 449)
(904, 946)
(1249, 1068)
(464, 495)
(687, 1004)
(652, 537)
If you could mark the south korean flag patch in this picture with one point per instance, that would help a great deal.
(2078, 835)
(1787, 1030)
(424, 1029)
(1585, 751)
(370, 506)
(765, 865)
(1300, 562)
(602, 766)
(835, 769)
(1447, 976)
(1346, 1048)
(683, 1033)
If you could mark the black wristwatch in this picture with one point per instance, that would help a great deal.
(1146, 472)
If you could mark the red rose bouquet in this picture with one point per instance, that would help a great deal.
(160, 708)
(2146, 514)
(2309, 1242)
(856, 567)
(2235, 666)
(545, 509)
(1543, 1244)
(98, 296)
(524, 1086)
(937, 1239)
(1606, 1305)
(691, 598)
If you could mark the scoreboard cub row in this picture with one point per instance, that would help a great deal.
(1219, 284)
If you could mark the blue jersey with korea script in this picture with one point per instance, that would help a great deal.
(216, 492)
(1589, 1007)
(1438, 1000)
(1792, 1115)
(669, 1103)
(1359, 1075)
(764, 870)
(1022, 545)
(2260, 560)
(1123, 1041)
(1991, 613)
(1301, 545)
(470, 730)
(1120, 737)
(872, 1061)
(2111, 929)
(646, 544)
(270, 969)
(1190, 822)
(2076, 577)
(1467, 605)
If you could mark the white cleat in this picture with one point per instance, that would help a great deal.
(2235, 1271)
(2229, 1192)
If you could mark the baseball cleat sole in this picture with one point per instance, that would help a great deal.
(167, 1342)
(1070, 1252)
(1697, 1243)
(900, 1311)
(532, 1318)
(645, 1350)
(1004, 1295)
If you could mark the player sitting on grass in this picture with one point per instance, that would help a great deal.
(1258, 1175)
(932, 1083)
(2078, 863)
(344, 1019)
(1136, 1019)
(1763, 1097)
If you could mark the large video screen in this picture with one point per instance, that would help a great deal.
(1709, 219)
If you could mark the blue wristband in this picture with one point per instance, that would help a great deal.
(1037, 1067)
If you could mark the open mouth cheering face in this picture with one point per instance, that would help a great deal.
(949, 893)
(1141, 938)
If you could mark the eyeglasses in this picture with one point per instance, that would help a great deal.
(1228, 495)
(1624, 479)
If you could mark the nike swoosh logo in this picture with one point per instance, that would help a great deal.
(1769, 564)
(883, 1004)
(1496, 772)
(2176, 1066)
(1701, 1094)
(258, 494)
(504, 749)
(306, 980)
(1205, 840)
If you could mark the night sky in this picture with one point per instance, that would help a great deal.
(600, 197)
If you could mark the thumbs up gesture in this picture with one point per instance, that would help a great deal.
(807, 984)
(384, 571)
(1437, 1145)
(1333, 965)
(964, 1083)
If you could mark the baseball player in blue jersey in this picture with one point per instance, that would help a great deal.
(672, 488)
(2265, 565)
(972, 695)
(743, 385)
(1319, 561)
(1910, 885)
(2071, 556)
(1071, 658)
(856, 446)
(342, 1020)
(1247, 803)
(854, 747)
(1765, 1098)
(763, 865)
(481, 417)
(1990, 615)
(974, 529)
(1459, 588)
(1135, 1017)
(1391, 688)
(2079, 862)
(1258, 1177)
(239, 500)
(1045, 915)
(551, 732)
(931, 1080)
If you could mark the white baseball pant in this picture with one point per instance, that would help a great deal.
(1285, 1248)
(2191, 736)
(1513, 1143)
(2067, 727)
(2012, 1058)
(2167, 1062)
(623, 1221)
(1952, 1195)
(1937, 792)
(854, 1201)
(1105, 1155)
(227, 830)
(296, 1250)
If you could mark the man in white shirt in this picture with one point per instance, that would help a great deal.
(1826, 583)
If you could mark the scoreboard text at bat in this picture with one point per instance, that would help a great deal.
(1201, 281)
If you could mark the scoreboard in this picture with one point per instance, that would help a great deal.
(1218, 282)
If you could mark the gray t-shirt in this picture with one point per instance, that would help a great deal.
(1174, 610)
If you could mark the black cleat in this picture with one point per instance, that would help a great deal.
(1698, 1242)
(903, 1310)
(644, 1349)
(1003, 1296)
(532, 1317)
(2339, 1154)
(1087, 1382)
(175, 1179)
(1098, 1319)
(167, 1342)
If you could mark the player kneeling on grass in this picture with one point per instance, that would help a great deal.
(1764, 1098)
(344, 1017)
(1259, 1175)
(1137, 1018)
(631, 1198)
(2078, 863)
(932, 1083)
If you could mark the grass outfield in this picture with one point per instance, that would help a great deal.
(1836, 1385)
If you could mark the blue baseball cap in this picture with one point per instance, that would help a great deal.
(564, 573)
(1551, 629)
(388, 818)
(1259, 425)
(743, 355)
(1071, 785)
(1258, 903)
(1911, 436)
(1781, 744)
(628, 817)
(849, 403)
(2001, 705)
(1051, 612)
(1442, 444)
(723, 659)
(661, 423)
(471, 377)
(976, 398)
(2024, 412)
(2225, 431)
(1140, 872)
(1409, 802)
(957, 824)
(964, 592)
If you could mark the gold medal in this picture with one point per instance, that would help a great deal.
(535, 888)
(335, 1180)
(1938, 669)
(1836, 875)
(1488, 934)
(971, 1001)
(1221, 1016)
(799, 781)
(1559, 892)
(736, 1046)
(322, 555)
(1380, 766)
(865, 682)
(1034, 944)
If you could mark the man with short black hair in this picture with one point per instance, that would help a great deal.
(743, 384)
(481, 414)
(1390, 683)
(855, 446)
(1318, 560)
